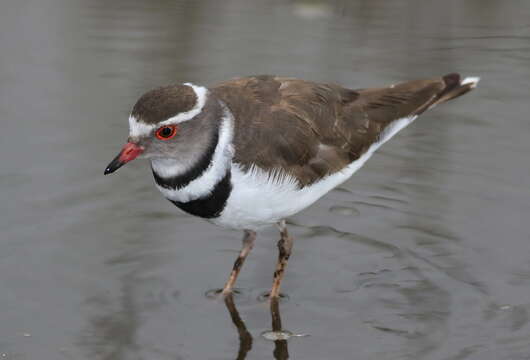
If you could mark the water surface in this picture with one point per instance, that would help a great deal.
(423, 254)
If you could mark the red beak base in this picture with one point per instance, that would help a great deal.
(129, 152)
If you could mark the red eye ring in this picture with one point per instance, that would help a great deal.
(166, 132)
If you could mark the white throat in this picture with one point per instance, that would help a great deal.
(216, 170)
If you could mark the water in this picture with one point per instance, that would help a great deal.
(423, 254)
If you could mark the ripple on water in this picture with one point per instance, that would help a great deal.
(215, 293)
(264, 296)
(240, 295)
(513, 317)
(154, 292)
(280, 335)
(389, 199)
(374, 205)
(432, 230)
(321, 230)
(344, 210)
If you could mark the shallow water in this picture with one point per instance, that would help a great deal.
(423, 254)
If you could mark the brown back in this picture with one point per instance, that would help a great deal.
(311, 130)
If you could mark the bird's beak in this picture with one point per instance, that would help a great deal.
(129, 152)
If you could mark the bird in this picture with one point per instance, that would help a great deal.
(252, 151)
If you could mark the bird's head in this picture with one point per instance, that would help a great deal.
(177, 122)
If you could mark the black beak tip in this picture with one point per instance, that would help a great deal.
(114, 165)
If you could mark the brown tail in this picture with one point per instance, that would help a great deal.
(455, 87)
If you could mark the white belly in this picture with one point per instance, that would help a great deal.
(259, 199)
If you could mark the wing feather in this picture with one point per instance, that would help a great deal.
(309, 130)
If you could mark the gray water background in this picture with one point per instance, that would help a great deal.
(423, 254)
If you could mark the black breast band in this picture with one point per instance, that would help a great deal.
(209, 206)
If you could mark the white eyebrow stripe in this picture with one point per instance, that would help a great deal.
(202, 95)
(138, 128)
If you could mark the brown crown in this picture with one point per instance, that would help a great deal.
(164, 102)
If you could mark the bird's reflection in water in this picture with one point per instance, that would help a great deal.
(280, 352)
(245, 339)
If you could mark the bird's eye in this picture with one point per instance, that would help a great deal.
(166, 132)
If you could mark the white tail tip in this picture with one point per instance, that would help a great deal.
(473, 80)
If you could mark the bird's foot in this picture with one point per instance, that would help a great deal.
(265, 296)
(222, 293)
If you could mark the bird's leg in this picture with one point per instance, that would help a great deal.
(248, 243)
(285, 244)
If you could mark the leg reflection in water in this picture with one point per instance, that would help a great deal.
(245, 339)
(280, 352)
